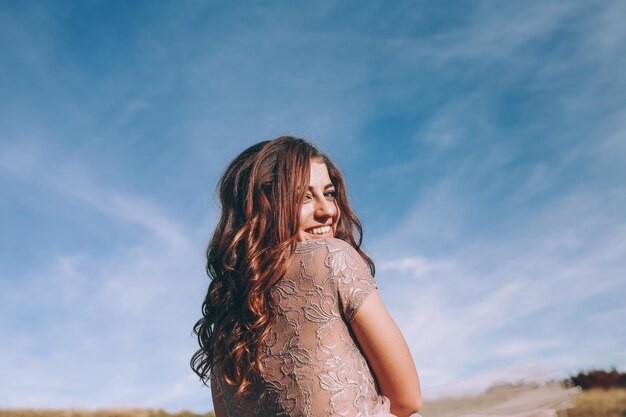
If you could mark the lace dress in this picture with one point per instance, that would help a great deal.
(313, 363)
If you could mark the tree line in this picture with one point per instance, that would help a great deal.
(598, 378)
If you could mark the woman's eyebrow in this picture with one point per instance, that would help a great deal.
(327, 186)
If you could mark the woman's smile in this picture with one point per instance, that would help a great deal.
(323, 231)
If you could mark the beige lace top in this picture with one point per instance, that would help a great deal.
(314, 365)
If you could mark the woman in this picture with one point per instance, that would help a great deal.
(293, 324)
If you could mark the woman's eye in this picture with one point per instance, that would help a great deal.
(328, 194)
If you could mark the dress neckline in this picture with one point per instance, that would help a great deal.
(310, 244)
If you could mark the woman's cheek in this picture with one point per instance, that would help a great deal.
(306, 210)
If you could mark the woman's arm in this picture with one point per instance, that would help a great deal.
(218, 399)
(388, 355)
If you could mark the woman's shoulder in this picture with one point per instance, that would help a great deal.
(336, 254)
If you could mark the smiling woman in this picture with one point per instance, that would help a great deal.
(292, 321)
(293, 324)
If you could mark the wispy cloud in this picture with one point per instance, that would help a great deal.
(26, 161)
(108, 314)
(530, 295)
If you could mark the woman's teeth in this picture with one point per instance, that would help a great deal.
(319, 230)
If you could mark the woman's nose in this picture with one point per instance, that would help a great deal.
(325, 208)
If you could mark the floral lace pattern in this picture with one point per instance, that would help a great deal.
(314, 365)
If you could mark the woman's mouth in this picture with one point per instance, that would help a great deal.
(320, 231)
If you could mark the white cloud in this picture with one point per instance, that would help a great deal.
(33, 161)
(501, 32)
(417, 266)
(103, 320)
(458, 312)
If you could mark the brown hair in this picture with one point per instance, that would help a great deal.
(260, 195)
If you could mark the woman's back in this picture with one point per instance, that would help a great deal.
(303, 359)
(313, 365)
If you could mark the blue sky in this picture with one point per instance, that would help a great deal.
(483, 142)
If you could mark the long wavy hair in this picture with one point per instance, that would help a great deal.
(260, 196)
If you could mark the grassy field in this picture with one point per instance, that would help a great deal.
(591, 403)
(600, 403)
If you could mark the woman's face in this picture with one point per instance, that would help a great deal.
(319, 213)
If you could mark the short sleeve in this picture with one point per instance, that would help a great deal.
(352, 276)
